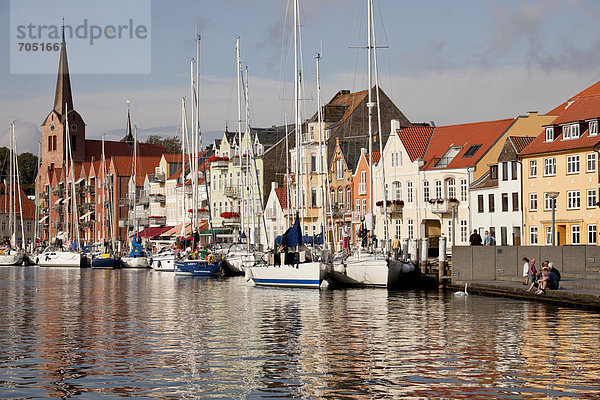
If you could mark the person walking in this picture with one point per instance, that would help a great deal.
(475, 238)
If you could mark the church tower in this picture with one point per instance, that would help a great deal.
(54, 128)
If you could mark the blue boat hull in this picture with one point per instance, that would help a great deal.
(196, 268)
(107, 263)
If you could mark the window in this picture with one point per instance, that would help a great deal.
(463, 190)
(471, 150)
(463, 231)
(548, 235)
(503, 236)
(357, 205)
(398, 227)
(438, 189)
(74, 142)
(573, 164)
(549, 134)
(504, 171)
(533, 235)
(339, 163)
(550, 166)
(362, 187)
(348, 198)
(313, 162)
(54, 143)
(591, 162)
(49, 143)
(409, 191)
(566, 132)
(548, 202)
(515, 201)
(574, 131)
(504, 202)
(332, 196)
(451, 188)
(533, 201)
(494, 172)
(3, 225)
(52, 128)
(29, 226)
(398, 159)
(575, 234)
(573, 200)
(491, 203)
(514, 166)
(312, 133)
(480, 203)
(397, 187)
(74, 127)
(364, 206)
(393, 159)
(313, 197)
(591, 198)
(449, 232)
(593, 128)
(592, 232)
(411, 228)
(426, 191)
(532, 168)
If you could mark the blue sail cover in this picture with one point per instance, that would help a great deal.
(136, 249)
(314, 239)
(291, 237)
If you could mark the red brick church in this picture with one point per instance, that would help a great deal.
(93, 187)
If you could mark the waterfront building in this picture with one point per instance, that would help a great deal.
(430, 170)
(28, 216)
(495, 199)
(562, 161)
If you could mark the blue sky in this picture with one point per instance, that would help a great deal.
(448, 61)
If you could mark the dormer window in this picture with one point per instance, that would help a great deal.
(574, 131)
(566, 132)
(549, 134)
(593, 128)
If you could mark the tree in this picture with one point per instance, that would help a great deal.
(27, 169)
(172, 144)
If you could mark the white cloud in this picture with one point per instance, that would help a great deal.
(27, 136)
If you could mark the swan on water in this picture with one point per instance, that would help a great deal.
(461, 293)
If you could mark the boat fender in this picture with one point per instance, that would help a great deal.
(248, 274)
(150, 260)
(408, 268)
(37, 260)
(211, 259)
(158, 264)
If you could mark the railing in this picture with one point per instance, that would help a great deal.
(231, 191)
(157, 220)
(157, 177)
(442, 206)
(157, 197)
(219, 164)
(143, 201)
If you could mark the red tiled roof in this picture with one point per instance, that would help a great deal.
(153, 231)
(415, 140)
(124, 167)
(465, 135)
(93, 148)
(580, 108)
(28, 205)
(282, 196)
(520, 142)
(376, 157)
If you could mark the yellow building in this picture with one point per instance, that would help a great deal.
(563, 162)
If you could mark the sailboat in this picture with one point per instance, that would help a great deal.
(53, 256)
(104, 258)
(11, 255)
(137, 256)
(193, 264)
(295, 266)
(371, 268)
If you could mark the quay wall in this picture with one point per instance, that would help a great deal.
(489, 263)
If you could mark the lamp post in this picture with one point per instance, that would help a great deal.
(553, 196)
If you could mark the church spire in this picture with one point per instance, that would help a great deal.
(63, 94)
(128, 132)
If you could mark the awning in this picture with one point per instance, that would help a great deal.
(43, 219)
(78, 181)
(87, 214)
(153, 231)
(59, 201)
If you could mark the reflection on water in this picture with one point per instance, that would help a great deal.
(93, 333)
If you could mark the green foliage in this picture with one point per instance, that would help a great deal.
(172, 144)
(27, 169)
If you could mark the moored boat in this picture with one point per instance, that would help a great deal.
(10, 256)
(51, 257)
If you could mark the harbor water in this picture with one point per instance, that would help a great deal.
(96, 334)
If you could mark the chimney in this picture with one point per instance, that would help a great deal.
(363, 151)
(394, 126)
(273, 186)
(532, 113)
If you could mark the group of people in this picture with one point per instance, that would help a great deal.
(488, 239)
(547, 278)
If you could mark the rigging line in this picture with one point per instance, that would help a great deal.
(283, 59)
(391, 87)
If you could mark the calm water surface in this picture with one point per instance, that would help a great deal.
(144, 334)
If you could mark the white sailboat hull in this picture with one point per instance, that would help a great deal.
(368, 270)
(165, 263)
(59, 259)
(11, 259)
(305, 275)
(239, 262)
(135, 262)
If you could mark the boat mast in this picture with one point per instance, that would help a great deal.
(386, 227)
(197, 130)
(72, 172)
(296, 106)
(370, 105)
(103, 194)
(183, 174)
(239, 95)
(37, 184)
(135, 144)
(18, 180)
(11, 222)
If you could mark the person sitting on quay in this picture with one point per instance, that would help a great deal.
(549, 280)
(553, 269)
